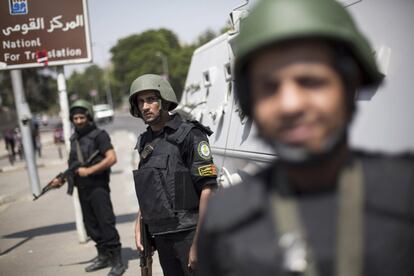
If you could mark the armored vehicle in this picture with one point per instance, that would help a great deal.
(385, 113)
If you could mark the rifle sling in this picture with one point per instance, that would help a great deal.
(350, 227)
(289, 227)
(79, 152)
(349, 241)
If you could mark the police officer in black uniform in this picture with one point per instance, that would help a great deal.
(175, 177)
(93, 186)
(321, 208)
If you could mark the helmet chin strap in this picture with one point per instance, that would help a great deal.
(300, 156)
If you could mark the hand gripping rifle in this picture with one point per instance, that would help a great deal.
(145, 259)
(63, 175)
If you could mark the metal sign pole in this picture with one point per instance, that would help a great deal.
(24, 116)
(64, 105)
(64, 114)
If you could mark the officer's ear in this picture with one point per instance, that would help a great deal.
(165, 105)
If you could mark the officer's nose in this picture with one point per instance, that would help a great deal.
(79, 121)
(146, 106)
(290, 99)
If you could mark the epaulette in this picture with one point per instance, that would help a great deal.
(184, 129)
(204, 128)
(179, 135)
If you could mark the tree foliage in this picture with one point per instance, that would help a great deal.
(40, 90)
(142, 53)
(136, 55)
(90, 85)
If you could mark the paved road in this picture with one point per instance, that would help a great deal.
(39, 238)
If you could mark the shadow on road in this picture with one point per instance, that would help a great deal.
(55, 229)
(15, 246)
(128, 254)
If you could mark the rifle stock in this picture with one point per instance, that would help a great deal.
(63, 175)
(145, 261)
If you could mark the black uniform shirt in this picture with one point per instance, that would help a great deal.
(103, 144)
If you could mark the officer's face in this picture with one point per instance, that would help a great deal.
(79, 120)
(149, 106)
(298, 98)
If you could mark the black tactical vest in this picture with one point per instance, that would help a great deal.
(167, 197)
(88, 146)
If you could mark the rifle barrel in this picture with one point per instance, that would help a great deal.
(64, 174)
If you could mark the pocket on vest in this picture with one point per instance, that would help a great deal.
(153, 199)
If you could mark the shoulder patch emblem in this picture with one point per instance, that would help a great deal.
(208, 170)
(204, 150)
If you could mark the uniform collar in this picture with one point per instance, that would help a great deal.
(87, 129)
(174, 123)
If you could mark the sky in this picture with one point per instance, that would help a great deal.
(111, 20)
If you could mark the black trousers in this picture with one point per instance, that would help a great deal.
(173, 250)
(99, 217)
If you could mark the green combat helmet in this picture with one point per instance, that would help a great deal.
(151, 82)
(276, 21)
(82, 104)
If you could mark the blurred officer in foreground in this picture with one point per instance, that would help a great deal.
(321, 208)
(93, 186)
(175, 176)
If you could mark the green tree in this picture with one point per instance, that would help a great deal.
(41, 90)
(39, 86)
(136, 55)
(83, 85)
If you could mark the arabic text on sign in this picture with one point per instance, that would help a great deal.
(38, 24)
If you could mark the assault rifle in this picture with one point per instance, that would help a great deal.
(145, 259)
(64, 175)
